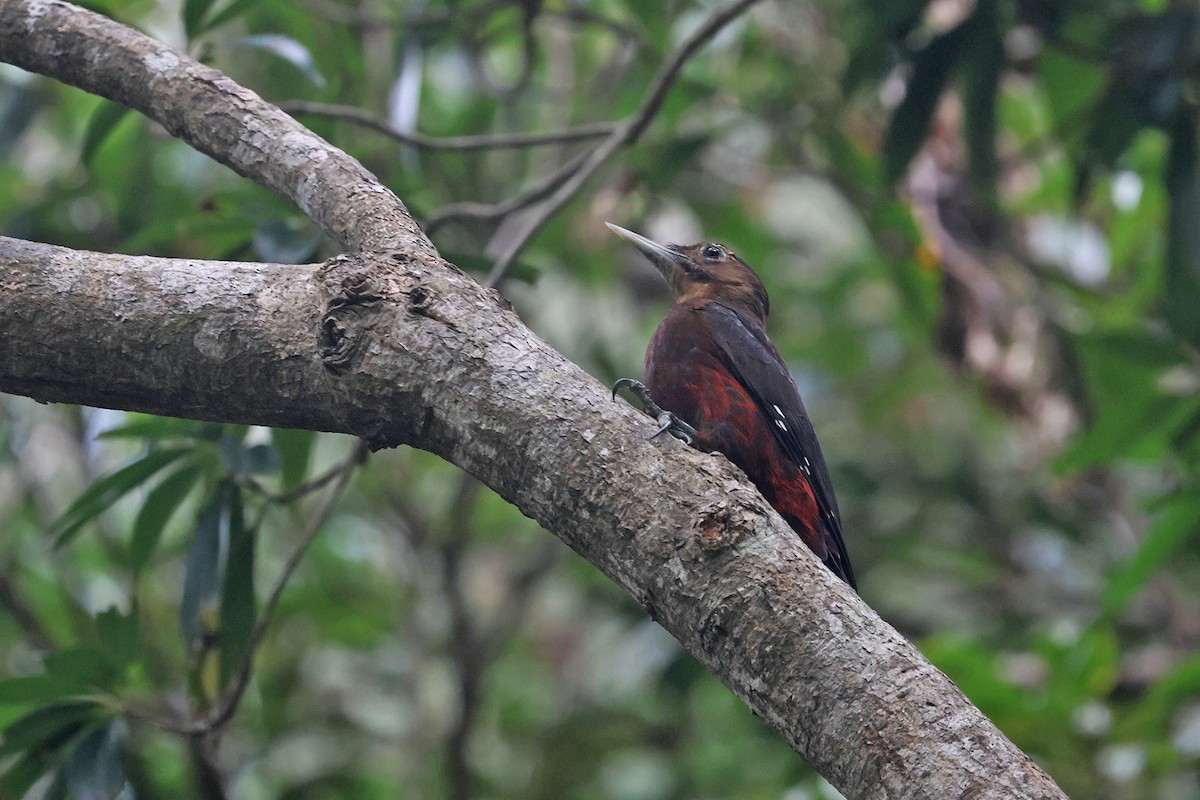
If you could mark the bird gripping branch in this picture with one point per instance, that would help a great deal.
(714, 379)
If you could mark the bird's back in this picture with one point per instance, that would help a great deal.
(718, 372)
(711, 365)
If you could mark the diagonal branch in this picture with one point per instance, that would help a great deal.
(432, 359)
(391, 344)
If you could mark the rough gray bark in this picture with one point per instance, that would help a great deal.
(393, 344)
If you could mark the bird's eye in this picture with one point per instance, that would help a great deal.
(712, 252)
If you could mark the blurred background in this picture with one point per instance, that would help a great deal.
(977, 223)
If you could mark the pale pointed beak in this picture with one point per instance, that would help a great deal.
(667, 260)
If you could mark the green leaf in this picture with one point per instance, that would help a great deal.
(58, 608)
(118, 635)
(106, 491)
(28, 689)
(238, 607)
(103, 121)
(57, 790)
(1071, 86)
(881, 26)
(148, 426)
(1187, 439)
(909, 125)
(294, 448)
(229, 12)
(1181, 681)
(287, 48)
(93, 771)
(1087, 668)
(83, 667)
(852, 160)
(1138, 431)
(23, 774)
(161, 504)
(654, 22)
(918, 285)
(1178, 522)
(221, 230)
(1162, 702)
(193, 17)
(204, 569)
(50, 726)
(1132, 417)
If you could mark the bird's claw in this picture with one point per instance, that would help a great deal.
(637, 387)
(667, 422)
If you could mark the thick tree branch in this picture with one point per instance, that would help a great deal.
(394, 345)
(431, 359)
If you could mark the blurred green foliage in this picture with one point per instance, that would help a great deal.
(977, 222)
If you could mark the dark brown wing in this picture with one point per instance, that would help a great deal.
(757, 365)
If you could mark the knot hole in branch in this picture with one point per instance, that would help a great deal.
(343, 328)
(718, 528)
(424, 302)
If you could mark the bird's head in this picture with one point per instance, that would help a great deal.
(703, 271)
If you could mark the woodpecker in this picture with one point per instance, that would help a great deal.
(714, 379)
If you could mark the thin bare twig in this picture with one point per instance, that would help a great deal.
(498, 141)
(582, 16)
(225, 710)
(476, 45)
(474, 640)
(14, 603)
(489, 211)
(210, 780)
(293, 494)
(469, 659)
(624, 134)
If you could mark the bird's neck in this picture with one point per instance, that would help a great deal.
(748, 308)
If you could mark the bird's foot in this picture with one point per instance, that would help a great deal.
(667, 422)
